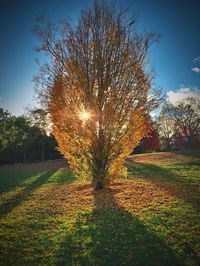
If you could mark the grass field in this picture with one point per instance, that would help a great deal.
(150, 218)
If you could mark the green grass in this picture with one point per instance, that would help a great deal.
(150, 218)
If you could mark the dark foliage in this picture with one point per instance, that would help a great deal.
(22, 141)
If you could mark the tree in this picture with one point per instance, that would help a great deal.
(8, 137)
(21, 140)
(16, 137)
(186, 116)
(96, 88)
(24, 135)
(150, 141)
(6, 130)
(179, 120)
(166, 127)
(40, 119)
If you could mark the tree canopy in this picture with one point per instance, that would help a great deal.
(96, 88)
(22, 140)
(179, 120)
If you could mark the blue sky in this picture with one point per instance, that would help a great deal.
(173, 57)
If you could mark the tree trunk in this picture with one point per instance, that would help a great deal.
(99, 185)
(100, 176)
(25, 153)
(42, 153)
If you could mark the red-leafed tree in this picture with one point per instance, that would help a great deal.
(150, 141)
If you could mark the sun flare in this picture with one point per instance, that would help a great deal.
(84, 115)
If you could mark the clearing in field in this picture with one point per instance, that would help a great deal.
(150, 218)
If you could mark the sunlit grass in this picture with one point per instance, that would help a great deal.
(150, 218)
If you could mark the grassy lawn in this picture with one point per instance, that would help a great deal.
(150, 218)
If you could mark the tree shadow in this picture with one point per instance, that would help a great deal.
(9, 182)
(192, 153)
(194, 162)
(24, 194)
(13, 176)
(173, 183)
(110, 235)
(152, 171)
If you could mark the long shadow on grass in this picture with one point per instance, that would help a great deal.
(14, 175)
(192, 153)
(185, 191)
(110, 235)
(23, 195)
(9, 182)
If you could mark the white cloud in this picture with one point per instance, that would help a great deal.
(196, 60)
(182, 94)
(196, 69)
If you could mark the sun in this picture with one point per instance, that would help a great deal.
(84, 115)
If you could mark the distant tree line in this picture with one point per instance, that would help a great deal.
(25, 139)
(28, 139)
(178, 124)
(176, 127)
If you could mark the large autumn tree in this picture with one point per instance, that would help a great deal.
(96, 88)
